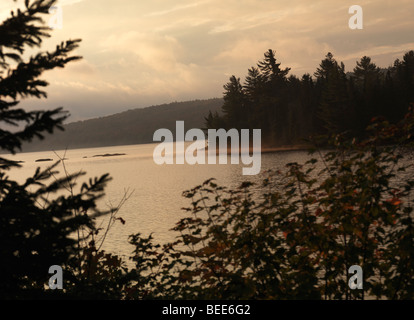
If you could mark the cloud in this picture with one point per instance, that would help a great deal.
(177, 8)
(149, 52)
(68, 2)
(159, 52)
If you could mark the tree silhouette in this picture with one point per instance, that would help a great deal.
(234, 103)
(289, 109)
(37, 222)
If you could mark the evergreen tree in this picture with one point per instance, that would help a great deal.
(234, 107)
(325, 67)
(308, 99)
(254, 88)
(368, 83)
(274, 105)
(271, 69)
(213, 121)
(36, 228)
(336, 109)
(404, 77)
(288, 109)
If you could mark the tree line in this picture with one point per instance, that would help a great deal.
(135, 126)
(289, 109)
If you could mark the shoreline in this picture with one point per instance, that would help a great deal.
(271, 149)
(286, 148)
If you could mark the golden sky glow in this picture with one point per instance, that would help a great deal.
(146, 52)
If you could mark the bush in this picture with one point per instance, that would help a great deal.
(296, 235)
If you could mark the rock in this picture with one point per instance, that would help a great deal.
(109, 155)
(42, 160)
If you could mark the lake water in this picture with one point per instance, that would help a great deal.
(156, 202)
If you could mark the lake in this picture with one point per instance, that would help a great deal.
(156, 202)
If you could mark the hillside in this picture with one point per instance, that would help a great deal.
(130, 127)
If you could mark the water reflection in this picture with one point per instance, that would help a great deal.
(156, 203)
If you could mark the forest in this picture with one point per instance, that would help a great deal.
(135, 126)
(289, 109)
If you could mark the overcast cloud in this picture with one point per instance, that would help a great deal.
(147, 52)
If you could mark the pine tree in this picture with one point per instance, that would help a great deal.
(275, 104)
(336, 108)
(404, 75)
(367, 84)
(234, 107)
(287, 109)
(307, 96)
(366, 73)
(270, 68)
(36, 228)
(326, 65)
(254, 88)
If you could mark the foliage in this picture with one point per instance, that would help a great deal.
(40, 223)
(296, 235)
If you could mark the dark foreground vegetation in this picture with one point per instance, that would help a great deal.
(294, 237)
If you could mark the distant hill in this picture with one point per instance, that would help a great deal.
(135, 126)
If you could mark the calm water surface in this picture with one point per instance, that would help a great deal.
(156, 202)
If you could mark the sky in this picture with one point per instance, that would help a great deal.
(138, 53)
